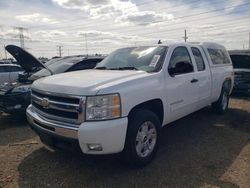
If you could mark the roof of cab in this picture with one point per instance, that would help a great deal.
(205, 44)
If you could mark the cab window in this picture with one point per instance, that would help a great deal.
(180, 62)
(198, 59)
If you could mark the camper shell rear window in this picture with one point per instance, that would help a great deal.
(218, 56)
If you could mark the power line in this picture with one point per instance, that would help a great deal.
(126, 8)
(228, 25)
(171, 30)
(192, 20)
(189, 15)
(235, 33)
(72, 28)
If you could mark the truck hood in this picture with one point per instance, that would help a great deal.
(27, 61)
(86, 82)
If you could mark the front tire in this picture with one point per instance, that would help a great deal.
(221, 105)
(142, 137)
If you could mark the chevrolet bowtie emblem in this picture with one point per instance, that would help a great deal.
(45, 103)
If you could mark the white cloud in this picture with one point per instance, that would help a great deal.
(144, 18)
(100, 35)
(125, 12)
(35, 17)
(49, 34)
(80, 4)
(8, 33)
(234, 4)
(207, 26)
(99, 8)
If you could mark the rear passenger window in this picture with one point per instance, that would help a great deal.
(198, 59)
(218, 56)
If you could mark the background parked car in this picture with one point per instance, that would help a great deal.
(15, 97)
(241, 64)
(9, 72)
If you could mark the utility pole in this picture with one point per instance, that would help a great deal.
(21, 35)
(86, 42)
(185, 36)
(60, 50)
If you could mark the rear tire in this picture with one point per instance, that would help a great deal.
(221, 105)
(142, 137)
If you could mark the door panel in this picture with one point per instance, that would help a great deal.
(203, 75)
(182, 89)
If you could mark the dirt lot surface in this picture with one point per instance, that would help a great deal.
(201, 150)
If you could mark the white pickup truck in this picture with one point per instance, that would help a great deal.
(123, 103)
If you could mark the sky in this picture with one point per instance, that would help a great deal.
(101, 26)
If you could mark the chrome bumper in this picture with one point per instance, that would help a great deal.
(45, 125)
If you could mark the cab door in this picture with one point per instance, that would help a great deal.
(182, 84)
(203, 76)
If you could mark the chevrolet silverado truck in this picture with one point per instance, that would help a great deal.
(122, 104)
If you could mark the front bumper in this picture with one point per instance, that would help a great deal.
(110, 134)
(15, 102)
(241, 88)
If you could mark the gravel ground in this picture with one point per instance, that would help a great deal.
(201, 150)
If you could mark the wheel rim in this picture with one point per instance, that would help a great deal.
(146, 139)
(224, 101)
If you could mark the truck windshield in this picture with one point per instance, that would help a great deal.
(148, 59)
(58, 65)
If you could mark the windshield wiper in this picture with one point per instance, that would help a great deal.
(101, 68)
(124, 68)
(117, 68)
(48, 69)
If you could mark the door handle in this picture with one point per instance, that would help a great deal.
(194, 80)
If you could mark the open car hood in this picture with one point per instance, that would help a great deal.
(27, 61)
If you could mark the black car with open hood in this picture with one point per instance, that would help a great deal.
(15, 97)
(26, 60)
(241, 64)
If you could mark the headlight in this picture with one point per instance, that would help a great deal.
(21, 89)
(103, 107)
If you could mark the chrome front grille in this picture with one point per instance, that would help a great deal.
(61, 108)
(243, 77)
